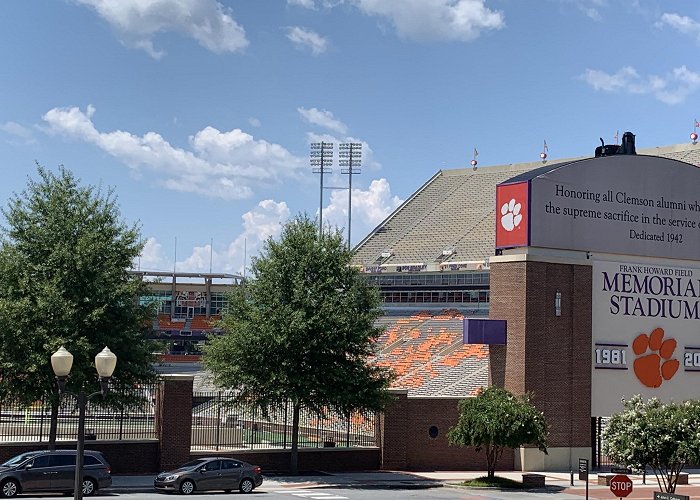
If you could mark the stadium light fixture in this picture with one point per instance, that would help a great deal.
(350, 160)
(321, 158)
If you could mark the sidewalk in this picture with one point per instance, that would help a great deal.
(556, 482)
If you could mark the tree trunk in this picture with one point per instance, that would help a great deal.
(294, 458)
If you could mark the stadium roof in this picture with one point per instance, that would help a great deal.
(451, 218)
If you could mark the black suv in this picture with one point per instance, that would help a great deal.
(53, 471)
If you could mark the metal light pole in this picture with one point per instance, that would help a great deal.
(321, 157)
(62, 362)
(350, 156)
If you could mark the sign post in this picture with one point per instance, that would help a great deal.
(583, 472)
(621, 485)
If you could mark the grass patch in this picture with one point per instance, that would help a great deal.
(494, 482)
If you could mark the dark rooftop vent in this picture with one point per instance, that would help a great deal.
(626, 148)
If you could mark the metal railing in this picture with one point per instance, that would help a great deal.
(129, 416)
(218, 423)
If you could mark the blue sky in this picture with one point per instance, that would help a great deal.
(199, 113)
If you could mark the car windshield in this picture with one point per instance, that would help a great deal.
(20, 458)
(193, 464)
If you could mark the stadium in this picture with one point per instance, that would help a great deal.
(518, 276)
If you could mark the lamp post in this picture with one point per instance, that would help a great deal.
(61, 362)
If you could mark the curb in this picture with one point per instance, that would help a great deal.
(388, 485)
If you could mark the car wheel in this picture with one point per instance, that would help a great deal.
(10, 488)
(186, 487)
(246, 486)
(89, 487)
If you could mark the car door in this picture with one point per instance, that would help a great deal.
(63, 467)
(37, 474)
(210, 476)
(230, 474)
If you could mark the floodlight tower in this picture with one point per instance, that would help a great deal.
(350, 157)
(321, 157)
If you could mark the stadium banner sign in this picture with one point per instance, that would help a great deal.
(646, 333)
(625, 204)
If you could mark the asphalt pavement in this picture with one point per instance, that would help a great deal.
(556, 482)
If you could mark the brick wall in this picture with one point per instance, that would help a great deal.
(125, 457)
(407, 444)
(174, 420)
(546, 354)
(326, 459)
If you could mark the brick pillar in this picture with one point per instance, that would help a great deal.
(174, 420)
(546, 354)
(395, 433)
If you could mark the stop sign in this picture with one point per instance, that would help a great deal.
(621, 485)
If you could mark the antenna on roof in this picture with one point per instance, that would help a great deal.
(474, 162)
(694, 134)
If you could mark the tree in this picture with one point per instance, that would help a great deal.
(495, 420)
(663, 436)
(301, 331)
(64, 260)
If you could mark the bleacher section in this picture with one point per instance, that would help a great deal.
(197, 323)
(165, 322)
(202, 323)
(428, 357)
(456, 210)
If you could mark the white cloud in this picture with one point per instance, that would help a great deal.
(683, 24)
(323, 118)
(672, 88)
(152, 258)
(266, 219)
(19, 131)
(369, 208)
(429, 20)
(137, 21)
(263, 221)
(590, 8)
(307, 4)
(220, 165)
(306, 38)
(254, 122)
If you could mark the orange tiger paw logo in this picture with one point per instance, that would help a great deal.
(654, 367)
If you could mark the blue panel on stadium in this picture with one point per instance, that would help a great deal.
(485, 331)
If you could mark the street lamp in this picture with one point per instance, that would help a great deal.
(61, 362)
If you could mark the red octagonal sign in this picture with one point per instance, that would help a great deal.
(621, 485)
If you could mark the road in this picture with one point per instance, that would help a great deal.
(394, 493)
(318, 494)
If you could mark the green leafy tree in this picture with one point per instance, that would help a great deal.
(301, 331)
(64, 281)
(663, 436)
(496, 420)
